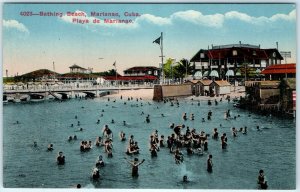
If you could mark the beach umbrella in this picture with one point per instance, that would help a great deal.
(214, 73)
(198, 75)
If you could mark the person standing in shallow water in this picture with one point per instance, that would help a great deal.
(60, 158)
(135, 166)
(261, 180)
(209, 164)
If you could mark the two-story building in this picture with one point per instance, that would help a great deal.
(236, 58)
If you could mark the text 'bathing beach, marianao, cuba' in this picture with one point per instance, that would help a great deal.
(83, 18)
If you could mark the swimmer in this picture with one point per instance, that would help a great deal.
(135, 166)
(192, 117)
(178, 156)
(185, 179)
(70, 138)
(74, 137)
(148, 119)
(245, 130)
(78, 123)
(257, 128)
(261, 180)
(107, 132)
(209, 164)
(215, 134)
(172, 126)
(34, 144)
(96, 173)
(50, 147)
(234, 132)
(112, 121)
(224, 141)
(124, 123)
(122, 136)
(184, 116)
(98, 121)
(100, 162)
(60, 158)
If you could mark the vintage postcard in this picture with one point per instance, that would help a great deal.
(149, 95)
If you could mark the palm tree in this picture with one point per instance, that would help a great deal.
(184, 68)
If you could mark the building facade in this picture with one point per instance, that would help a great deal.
(77, 69)
(235, 60)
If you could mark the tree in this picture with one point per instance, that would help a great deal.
(167, 69)
(183, 68)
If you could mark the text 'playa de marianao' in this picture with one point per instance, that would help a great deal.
(81, 17)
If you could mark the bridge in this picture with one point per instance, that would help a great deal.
(64, 92)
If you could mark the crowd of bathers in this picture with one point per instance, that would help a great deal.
(181, 138)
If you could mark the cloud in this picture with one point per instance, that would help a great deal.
(13, 24)
(216, 20)
(154, 19)
(260, 20)
(196, 17)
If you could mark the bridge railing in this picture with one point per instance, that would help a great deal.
(66, 87)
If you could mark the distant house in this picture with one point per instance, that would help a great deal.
(278, 72)
(142, 71)
(77, 69)
(220, 87)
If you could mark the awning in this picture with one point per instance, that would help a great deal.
(198, 75)
(229, 73)
(214, 73)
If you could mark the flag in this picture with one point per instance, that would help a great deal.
(114, 64)
(157, 40)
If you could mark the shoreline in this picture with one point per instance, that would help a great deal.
(147, 94)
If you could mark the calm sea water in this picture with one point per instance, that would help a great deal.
(272, 149)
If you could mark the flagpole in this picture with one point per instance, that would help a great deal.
(116, 75)
(162, 59)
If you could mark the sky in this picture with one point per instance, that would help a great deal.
(32, 42)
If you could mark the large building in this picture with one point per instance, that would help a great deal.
(234, 60)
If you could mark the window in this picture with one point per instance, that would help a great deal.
(234, 52)
(201, 55)
(274, 54)
(254, 52)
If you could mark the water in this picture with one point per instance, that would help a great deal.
(272, 149)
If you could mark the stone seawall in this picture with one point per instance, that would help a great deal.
(164, 91)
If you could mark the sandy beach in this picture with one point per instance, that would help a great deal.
(147, 94)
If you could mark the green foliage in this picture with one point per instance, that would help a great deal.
(8, 80)
(250, 71)
(111, 72)
(179, 69)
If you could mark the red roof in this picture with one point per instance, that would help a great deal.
(130, 78)
(280, 69)
(224, 53)
(141, 68)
